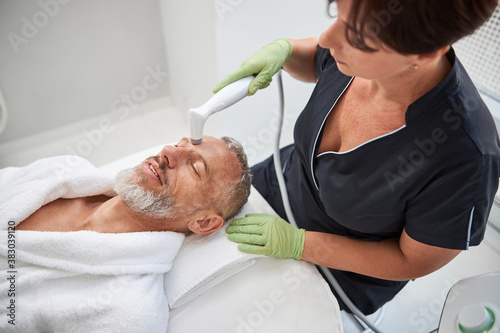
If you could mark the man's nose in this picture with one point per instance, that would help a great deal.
(173, 156)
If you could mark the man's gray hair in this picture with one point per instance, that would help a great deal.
(236, 193)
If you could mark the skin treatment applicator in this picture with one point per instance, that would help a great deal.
(226, 97)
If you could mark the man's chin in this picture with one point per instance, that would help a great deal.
(129, 185)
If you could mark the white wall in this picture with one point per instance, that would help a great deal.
(64, 61)
(189, 35)
(242, 28)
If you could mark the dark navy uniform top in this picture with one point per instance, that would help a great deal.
(435, 177)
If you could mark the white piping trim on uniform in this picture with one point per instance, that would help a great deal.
(361, 145)
(284, 167)
(319, 131)
(470, 227)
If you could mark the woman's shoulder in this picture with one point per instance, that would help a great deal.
(467, 109)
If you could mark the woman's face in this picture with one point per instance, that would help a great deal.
(381, 64)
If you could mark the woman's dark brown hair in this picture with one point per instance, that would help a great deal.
(415, 26)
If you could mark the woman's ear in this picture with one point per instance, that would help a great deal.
(206, 225)
(424, 59)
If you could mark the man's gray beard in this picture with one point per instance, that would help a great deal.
(128, 185)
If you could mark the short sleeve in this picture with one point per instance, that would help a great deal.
(452, 210)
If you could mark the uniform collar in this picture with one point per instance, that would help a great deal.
(432, 98)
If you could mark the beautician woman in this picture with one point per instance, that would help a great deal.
(395, 161)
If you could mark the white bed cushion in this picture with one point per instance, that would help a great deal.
(273, 295)
(206, 260)
(214, 288)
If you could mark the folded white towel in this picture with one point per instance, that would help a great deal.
(89, 252)
(206, 260)
(87, 281)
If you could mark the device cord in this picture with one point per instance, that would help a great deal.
(288, 209)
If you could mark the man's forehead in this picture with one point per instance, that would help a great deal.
(214, 151)
(205, 139)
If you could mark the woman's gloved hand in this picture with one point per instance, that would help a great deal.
(268, 235)
(265, 63)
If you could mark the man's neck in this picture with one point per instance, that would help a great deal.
(114, 216)
(96, 213)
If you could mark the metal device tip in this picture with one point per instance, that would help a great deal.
(196, 141)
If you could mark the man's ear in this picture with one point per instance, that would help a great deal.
(206, 225)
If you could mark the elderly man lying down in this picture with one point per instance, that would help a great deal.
(84, 252)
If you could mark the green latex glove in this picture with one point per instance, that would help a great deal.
(268, 235)
(265, 63)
